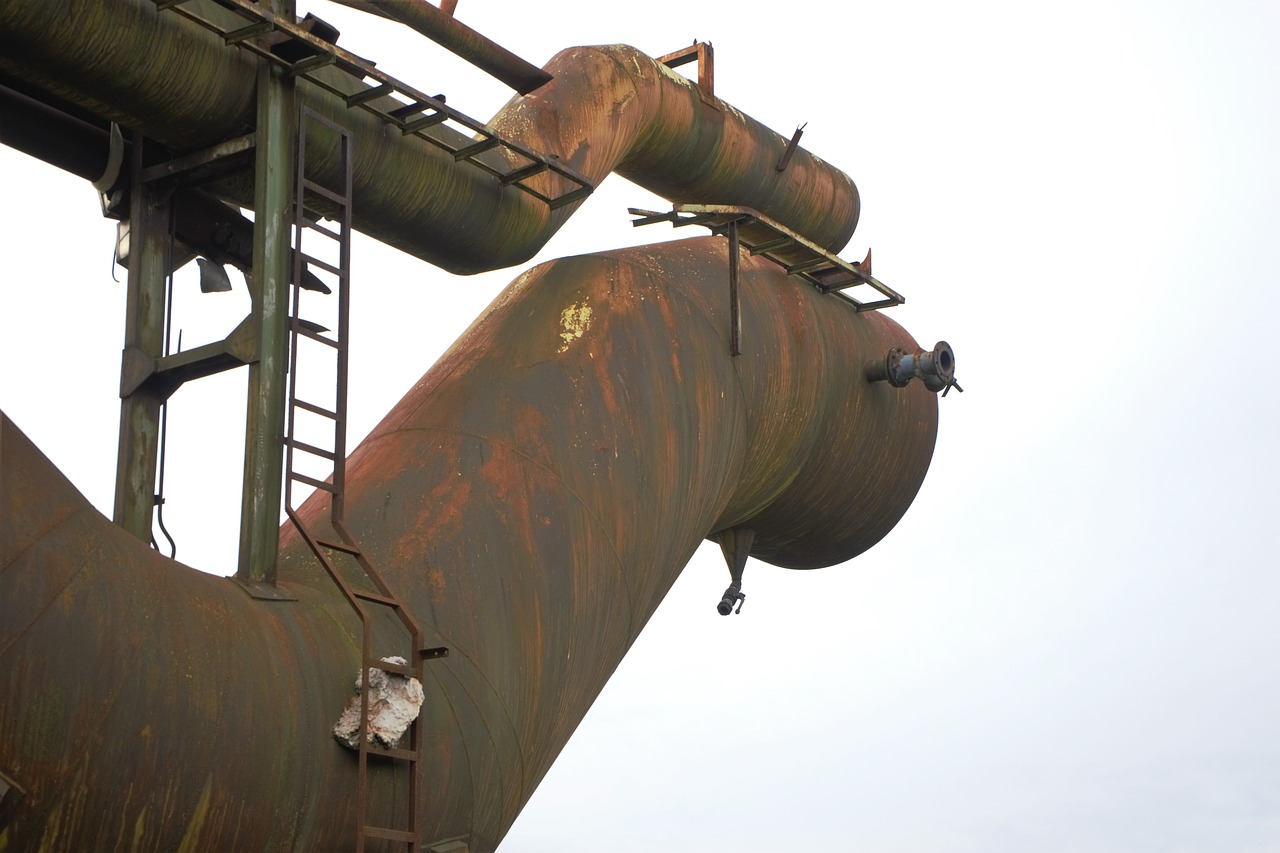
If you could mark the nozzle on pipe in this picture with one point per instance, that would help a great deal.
(732, 595)
(736, 545)
(936, 368)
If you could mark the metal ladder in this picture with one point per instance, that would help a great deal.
(360, 582)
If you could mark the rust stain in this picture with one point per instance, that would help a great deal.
(437, 584)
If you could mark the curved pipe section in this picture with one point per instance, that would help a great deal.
(532, 499)
(609, 108)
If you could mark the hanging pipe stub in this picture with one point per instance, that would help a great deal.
(936, 368)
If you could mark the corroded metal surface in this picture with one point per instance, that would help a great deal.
(609, 108)
(533, 499)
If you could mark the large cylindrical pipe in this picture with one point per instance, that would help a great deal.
(532, 499)
(609, 108)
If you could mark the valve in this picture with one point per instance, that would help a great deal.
(735, 542)
(733, 594)
(936, 368)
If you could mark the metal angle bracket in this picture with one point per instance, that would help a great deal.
(262, 591)
(730, 229)
(702, 53)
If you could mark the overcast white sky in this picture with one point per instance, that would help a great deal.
(1071, 641)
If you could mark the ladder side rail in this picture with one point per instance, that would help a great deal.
(344, 329)
(295, 278)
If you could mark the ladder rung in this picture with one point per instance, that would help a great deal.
(255, 29)
(837, 286)
(807, 265)
(312, 481)
(399, 669)
(478, 148)
(390, 834)
(314, 225)
(401, 113)
(570, 197)
(771, 245)
(426, 121)
(311, 63)
(522, 173)
(310, 325)
(397, 754)
(314, 409)
(369, 94)
(316, 336)
(321, 190)
(376, 597)
(339, 546)
(837, 270)
(319, 263)
(311, 448)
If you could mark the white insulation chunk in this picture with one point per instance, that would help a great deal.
(394, 703)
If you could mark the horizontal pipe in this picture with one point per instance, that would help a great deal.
(57, 137)
(532, 499)
(609, 108)
(443, 29)
(81, 147)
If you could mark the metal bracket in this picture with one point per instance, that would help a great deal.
(262, 590)
(704, 55)
(791, 149)
(115, 163)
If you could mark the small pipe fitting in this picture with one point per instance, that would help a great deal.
(732, 595)
(936, 368)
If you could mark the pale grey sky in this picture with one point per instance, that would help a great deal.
(1070, 643)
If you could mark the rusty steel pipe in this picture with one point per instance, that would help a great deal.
(532, 500)
(439, 25)
(609, 108)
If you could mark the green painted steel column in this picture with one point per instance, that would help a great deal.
(136, 458)
(264, 430)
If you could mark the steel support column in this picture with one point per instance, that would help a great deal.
(264, 430)
(149, 245)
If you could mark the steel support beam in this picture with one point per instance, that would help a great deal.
(149, 245)
(269, 285)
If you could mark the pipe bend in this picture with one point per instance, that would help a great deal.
(531, 501)
(609, 108)
(614, 108)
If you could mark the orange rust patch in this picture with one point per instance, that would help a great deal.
(436, 585)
